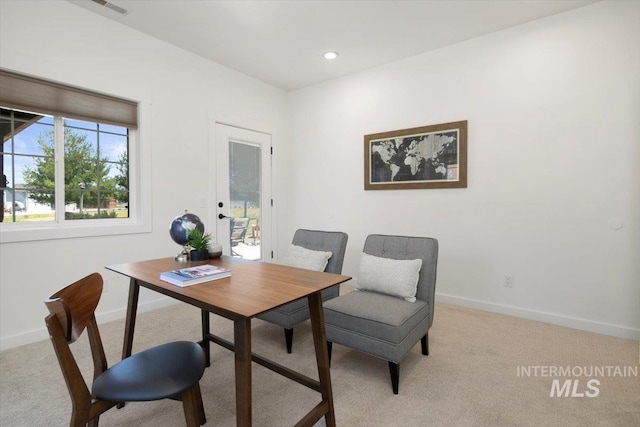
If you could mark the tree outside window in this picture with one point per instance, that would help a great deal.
(95, 175)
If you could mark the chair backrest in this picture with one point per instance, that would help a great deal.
(75, 304)
(402, 247)
(328, 241)
(72, 311)
(238, 229)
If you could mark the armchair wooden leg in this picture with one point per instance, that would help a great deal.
(329, 347)
(425, 344)
(394, 370)
(288, 338)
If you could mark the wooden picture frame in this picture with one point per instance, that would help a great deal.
(432, 156)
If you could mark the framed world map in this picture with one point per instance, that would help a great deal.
(432, 156)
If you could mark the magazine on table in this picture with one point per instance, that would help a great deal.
(194, 275)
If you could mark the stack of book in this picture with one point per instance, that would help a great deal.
(194, 275)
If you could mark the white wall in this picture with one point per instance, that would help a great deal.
(183, 94)
(553, 110)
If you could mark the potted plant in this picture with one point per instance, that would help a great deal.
(199, 242)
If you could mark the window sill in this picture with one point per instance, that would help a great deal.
(16, 233)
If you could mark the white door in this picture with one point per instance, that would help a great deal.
(244, 204)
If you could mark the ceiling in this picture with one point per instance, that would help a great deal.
(282, 42)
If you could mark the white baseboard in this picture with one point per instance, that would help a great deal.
(540, 316)
(41, 334)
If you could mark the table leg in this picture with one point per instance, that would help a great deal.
(206, 344)
(130, 324)
(242, 338)
(322, 355)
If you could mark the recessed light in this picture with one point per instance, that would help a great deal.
(330, 55)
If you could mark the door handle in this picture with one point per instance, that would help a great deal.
(222, 216)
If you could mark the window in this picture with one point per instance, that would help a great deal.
(94, 169)
(70, 160)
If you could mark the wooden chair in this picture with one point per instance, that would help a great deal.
(171, 370)
(255, 231)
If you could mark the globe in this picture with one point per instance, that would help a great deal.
(180, 226)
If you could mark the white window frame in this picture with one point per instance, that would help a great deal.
(139, 220)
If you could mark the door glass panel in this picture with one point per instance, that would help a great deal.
(245, 170)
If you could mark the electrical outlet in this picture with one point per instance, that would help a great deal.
(105, 286)
(508, 280)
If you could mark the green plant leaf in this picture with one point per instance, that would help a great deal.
(199, 240)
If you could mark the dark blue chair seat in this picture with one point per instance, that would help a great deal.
(158, 373)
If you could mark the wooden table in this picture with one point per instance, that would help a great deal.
(253, 288)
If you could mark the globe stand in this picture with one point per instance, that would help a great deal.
(184, 255)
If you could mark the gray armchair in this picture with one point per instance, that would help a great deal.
(382, 325)
(291, 314)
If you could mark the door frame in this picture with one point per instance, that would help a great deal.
(267, 228)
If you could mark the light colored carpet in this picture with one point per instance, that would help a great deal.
(470, 378)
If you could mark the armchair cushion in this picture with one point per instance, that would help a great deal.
(300, 257)
(376, 323)
(398, 278)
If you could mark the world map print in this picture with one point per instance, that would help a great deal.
(425, 157)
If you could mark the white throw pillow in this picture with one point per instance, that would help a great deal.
(300, 257)
(395, 277)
